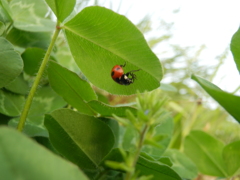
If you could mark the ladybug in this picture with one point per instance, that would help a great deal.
(118, 75)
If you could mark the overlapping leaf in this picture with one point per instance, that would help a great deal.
(100, 38)
(229, 102)
(28, 159)
(235, 48)
(11, 63)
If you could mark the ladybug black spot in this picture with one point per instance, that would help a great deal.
(112, 73)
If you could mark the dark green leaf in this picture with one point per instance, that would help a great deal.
(231, 156)
(235, 48)
(11, 63)
(107, 110)
(100, 39)
(29, 15)
(182, 164)
(18, 85)
(23, 158)
(61, 8)
(11, 104)
(29, 39)
(82, 139)
(71, 87)
(229, 102)
(206, 152)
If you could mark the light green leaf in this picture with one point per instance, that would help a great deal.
(29, 39)
(82, 139)
(100, 39)
(2, 28)
(29, 15)
(4, 12)
(31, 161)
(11, 63)
(61, 8)
(18, 85)
(107, 110)
(168, 87)
(235, 48)
(71, 87)
(229, 102)
(206, 152)
(11, 104)
(231, 156)
(182, 164)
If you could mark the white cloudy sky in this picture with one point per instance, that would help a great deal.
(208, 22)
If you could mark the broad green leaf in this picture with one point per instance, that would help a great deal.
(32, 58)
(235, 48)
(29, 15)
(29, 39)
(229, 102)
(11, 104)
(61, 8)
(22, 158)
(2, 28)
(206, 152)
(231, 156)
(18, 85)
(100, 39)
(4, 12)
(71, 87)
(106, 110)
(11, 63)
(145, 166)
(182, 164)
(82, 139)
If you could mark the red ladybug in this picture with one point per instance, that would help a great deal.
(118, 75)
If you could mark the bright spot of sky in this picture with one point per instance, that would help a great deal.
(198, 22)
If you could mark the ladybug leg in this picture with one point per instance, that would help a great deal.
(123, 65)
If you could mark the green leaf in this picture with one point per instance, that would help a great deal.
(235, 48)
(4, 9)
(61, 8)
(2, 28)
(168, 87)
(100, 39)
(29, 160)
(29, 15)
(82, 139)
(145, 166)
(231, 156)
(229, 102)
(71, 87)
(32, 58)
(11, 63)
(11, 104)
(29, 39)
(107, 110)
(182, 164)
(18, 85)
(159, 171)
(206, 152)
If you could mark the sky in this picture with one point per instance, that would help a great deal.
(197, 22)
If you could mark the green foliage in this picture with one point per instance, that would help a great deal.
(230, 102)
(235, 48)
(70, 111)
(108, 44)
(29, 161)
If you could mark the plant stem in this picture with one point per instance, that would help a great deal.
(28, 102)
(137, 154)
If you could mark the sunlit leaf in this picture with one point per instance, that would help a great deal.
(100, 38)
(30, 160)
(206, 152)
(11, 63)
(61, 8)
(71, 87)
(229, 102)
(29, 15)
(235, 48)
